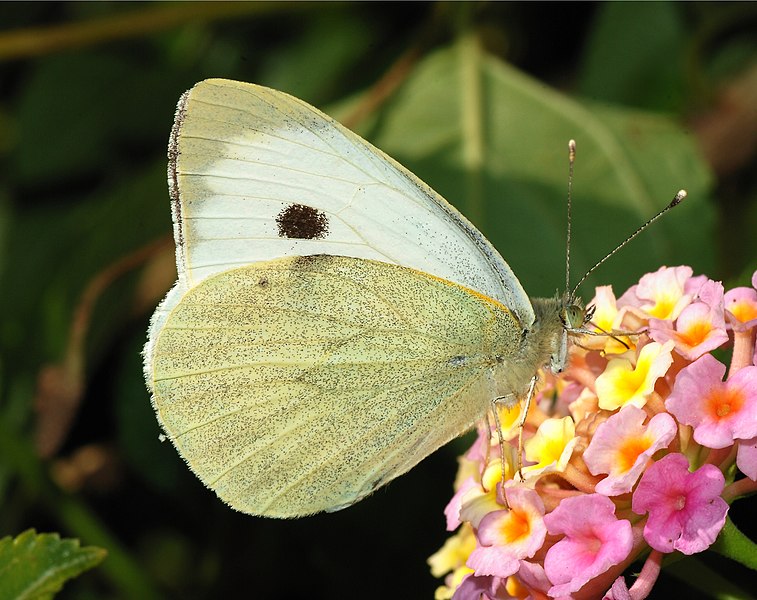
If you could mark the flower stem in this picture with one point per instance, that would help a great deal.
(743, 350)
(742, 487)
(642, 587)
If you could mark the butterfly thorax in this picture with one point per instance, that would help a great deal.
(544, 344)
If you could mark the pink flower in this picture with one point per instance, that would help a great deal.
(481, 588)
(699, 328)
(693, 284)
(590, 442)
(686, 512)
(595, 540)
(662, 295)
(618, 591)
(719, 411)
(746, 457)
(452, 510)
(481, 499)
(622, 446)
(477, 493)
(532, 576)
(644, 583)
(506, 536)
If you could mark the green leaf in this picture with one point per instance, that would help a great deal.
(493, 142)
(733, 544)
(81, 239)
(317, 50)
(37, 565)
(622, 55)
(80, 114)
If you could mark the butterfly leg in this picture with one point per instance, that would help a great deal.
(501, 440)
(488, 445)
(522, 422)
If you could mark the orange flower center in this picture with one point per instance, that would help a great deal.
(743, 311)
(695, 334)
(630, 451)
(516, 527)
(724, 402)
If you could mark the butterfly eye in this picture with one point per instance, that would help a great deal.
(573, 316)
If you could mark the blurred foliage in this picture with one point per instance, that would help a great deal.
(478, 99)
(37, 565)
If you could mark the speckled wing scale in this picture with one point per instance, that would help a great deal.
(334, 320)
(383, 362)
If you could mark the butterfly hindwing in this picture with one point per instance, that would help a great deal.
(301, 384)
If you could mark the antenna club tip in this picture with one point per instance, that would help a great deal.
(572, 150)
(679, 197)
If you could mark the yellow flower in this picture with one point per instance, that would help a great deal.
(664, 292)
(445, 592)
(454, 552)
(551, 446)
(606, 319)
(451, 557)
(622, 383)
(481, 500)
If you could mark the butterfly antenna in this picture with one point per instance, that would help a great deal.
(571, 161)
(677, 199)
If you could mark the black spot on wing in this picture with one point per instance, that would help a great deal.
(302, 222)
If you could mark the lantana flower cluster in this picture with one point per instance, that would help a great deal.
(633, 453)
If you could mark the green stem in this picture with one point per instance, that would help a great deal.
(471, 109)
(147, 19)
(733, 544)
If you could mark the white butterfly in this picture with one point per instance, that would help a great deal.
(335, 320)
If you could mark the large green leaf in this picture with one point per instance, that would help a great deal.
(622, 54)
(37, 565)
(493, 141)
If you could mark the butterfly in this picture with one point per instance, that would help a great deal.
(335, 320)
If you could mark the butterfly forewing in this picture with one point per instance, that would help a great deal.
(256, 174)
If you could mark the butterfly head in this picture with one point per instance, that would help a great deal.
(573, 318)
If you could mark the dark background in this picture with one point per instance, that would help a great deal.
(659, 96)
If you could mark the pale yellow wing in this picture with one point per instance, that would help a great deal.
(302, 384)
